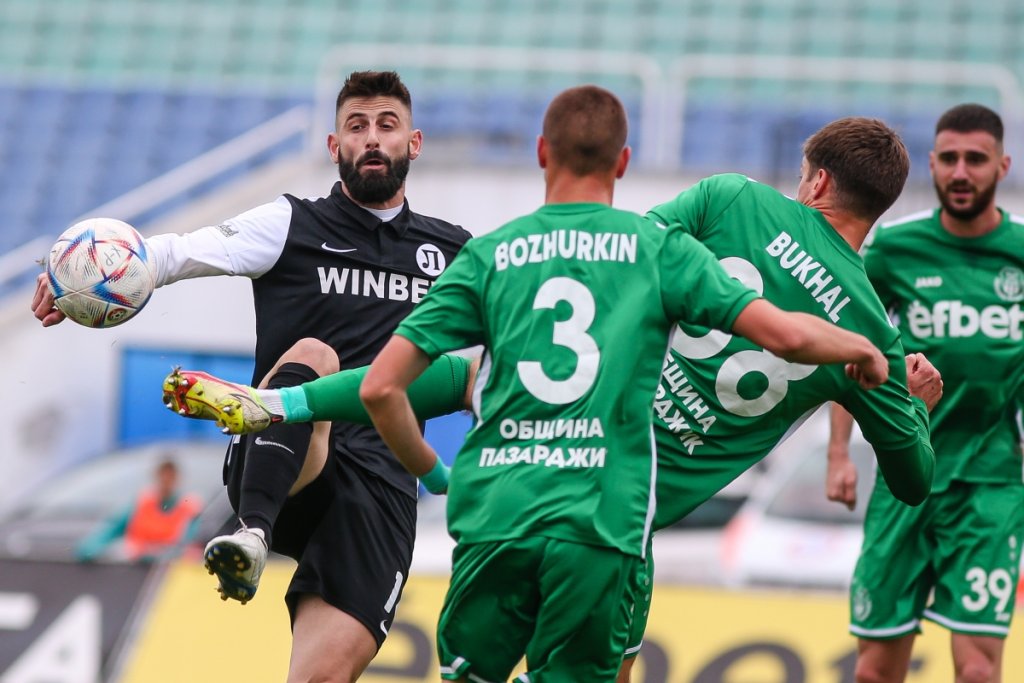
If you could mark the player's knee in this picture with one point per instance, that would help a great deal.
(976, 670)
(326, 677)
(324, 672)
(315, 354)
(869, 672)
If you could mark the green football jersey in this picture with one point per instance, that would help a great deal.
(574, 307)
(724, 403)
(959, 301)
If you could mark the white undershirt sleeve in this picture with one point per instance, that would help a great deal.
(248, 245)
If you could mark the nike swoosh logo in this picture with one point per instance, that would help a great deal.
(383, 628)
(260, 441)
(336, 251)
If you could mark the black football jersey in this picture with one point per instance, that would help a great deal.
(324, 268)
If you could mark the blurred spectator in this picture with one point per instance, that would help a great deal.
(156, 526)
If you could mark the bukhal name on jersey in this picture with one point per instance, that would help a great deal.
(369, 283)
(546, 454)
(675, 382)
(955, 319)
(565, 244)
(810, 273)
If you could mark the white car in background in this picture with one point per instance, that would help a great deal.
(788, 533)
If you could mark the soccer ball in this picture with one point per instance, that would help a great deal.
(98, 272)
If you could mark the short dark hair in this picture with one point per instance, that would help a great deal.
(967, 118)
(373, 84)
(585, 128)
(867, 160)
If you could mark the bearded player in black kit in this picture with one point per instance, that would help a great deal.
(332, 278)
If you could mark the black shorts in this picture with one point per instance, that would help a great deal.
(352, 535)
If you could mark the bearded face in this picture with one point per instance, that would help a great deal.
(373, 144)
(966, 167)
(964, 199)
(374, 177)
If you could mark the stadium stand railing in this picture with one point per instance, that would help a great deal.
(686, 110)
(142, 203)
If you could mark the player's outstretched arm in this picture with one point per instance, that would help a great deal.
(43, 307)
(804, 338)
(384, 392)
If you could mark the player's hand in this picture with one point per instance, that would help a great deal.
(923, 380)
(870, 372)
(841, 479)
(42, 303)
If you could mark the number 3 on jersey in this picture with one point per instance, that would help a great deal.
(778, 372)
(571, 334)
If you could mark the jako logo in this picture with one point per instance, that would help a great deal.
(929, 281)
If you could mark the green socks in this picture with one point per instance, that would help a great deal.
(440, 390)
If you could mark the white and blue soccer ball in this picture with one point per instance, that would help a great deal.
(99, 273)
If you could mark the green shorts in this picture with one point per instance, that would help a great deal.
(642, 590)
(565, 606)
(953, 560)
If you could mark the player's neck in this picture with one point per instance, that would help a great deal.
(982, 224)
(566, 188)
(852, 229)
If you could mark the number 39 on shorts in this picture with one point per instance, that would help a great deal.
(983, 586)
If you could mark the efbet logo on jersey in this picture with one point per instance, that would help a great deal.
(1009, 284)
(955, 319)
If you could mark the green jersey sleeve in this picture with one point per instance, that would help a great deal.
(700, 206)
(696, 288)
(909, 471)
(897, 428)
(449, 317)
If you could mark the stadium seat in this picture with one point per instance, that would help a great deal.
(123, 79)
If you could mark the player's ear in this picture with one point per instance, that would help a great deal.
(1004, 166)
(822, 183)
(542, 151)
(415, 144)
(333, 146)
(623, 162)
